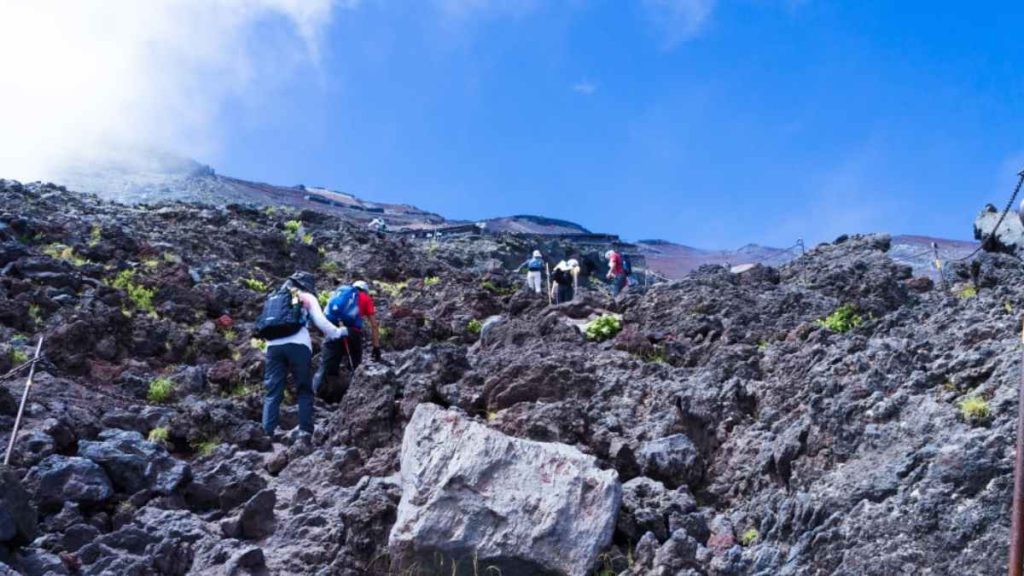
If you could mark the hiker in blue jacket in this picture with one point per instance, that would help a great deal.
(351, 306)
(534, 269)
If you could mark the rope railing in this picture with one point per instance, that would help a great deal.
(14, 371)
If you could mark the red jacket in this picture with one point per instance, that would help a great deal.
(615, 264)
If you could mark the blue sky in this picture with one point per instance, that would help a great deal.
(709, 123)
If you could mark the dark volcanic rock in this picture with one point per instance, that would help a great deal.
(133, 464)
(58, 479)
(18, 518)
(752, 436)
(226, 483)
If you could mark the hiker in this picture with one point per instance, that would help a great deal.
(617, 272)
(289, 348)
(534, 267)
(563, 281)
(379, 226)
(351, 306)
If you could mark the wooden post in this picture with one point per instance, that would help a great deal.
(24, 398)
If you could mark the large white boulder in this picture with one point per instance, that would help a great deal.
(472, 495)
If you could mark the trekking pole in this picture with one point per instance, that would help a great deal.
(24, 398)
(1017, 522)
(348, 353)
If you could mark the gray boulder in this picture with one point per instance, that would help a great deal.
(471, 494)
(134, 464)
(58, 479)
(18, 519)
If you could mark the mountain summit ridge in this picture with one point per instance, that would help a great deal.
(167, 178)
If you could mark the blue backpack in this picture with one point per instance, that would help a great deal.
(627, 266)
(535, 265)
(343, 307)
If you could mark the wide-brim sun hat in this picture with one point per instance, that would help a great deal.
(305, 281)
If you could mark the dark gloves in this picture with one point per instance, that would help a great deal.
(376, 355)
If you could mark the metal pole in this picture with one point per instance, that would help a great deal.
(1017, 522)
(547, 269)
(24, 398)
(938, 265)
(800, 241)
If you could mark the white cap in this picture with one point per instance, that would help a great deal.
(609, 253)
(536, 254)
(361, 285)
(573, 263)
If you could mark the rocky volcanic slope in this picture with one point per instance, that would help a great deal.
(748, 438)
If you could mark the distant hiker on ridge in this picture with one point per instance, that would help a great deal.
(618, 271)
(563, 281)
(289, 348)
(379, 226)
(350, 306)
(534, 267)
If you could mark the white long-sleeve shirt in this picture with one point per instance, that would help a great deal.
(312, 306)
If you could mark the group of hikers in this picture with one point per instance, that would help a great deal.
(283, 324)
(290, 309)
(564, 278)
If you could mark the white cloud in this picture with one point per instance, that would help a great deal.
(82, 79)
(679, 20)
(585, 87)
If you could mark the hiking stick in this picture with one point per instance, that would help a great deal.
(21, 408)
(348, 353)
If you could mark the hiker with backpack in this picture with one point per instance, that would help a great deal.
(534, 268)
(563, 281)
(619, 269)
(282, 324)
(352, 307)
